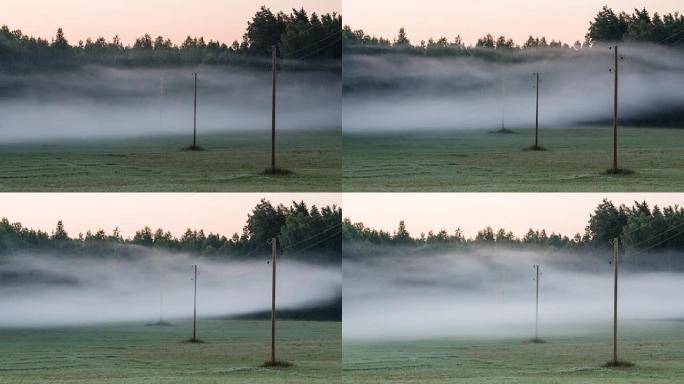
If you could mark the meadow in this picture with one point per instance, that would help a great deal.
(232, 352)
(227, 163)
(572, 356)
(575, 160)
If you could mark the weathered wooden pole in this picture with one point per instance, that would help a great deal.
(536, 119)
(615, 111)
(194, 124)
(194, 309)
(536, 311)
(274, 49)
(616, 259)
(273, 299)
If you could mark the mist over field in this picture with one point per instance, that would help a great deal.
(489, 292)
(99, 102)
(49, 290)
(395, 92)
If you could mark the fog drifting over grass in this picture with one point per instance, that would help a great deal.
(44, 290)
(491, 293)
(98, 102)
(394, 92)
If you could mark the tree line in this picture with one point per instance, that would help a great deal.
(298, 35)
(606, 27)
(306, 233)
(640, 228)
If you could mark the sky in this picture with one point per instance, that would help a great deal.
(223, 20)
(224, 213)
(567, 213)
(567, 20)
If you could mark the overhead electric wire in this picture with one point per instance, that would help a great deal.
(291, 246)
(663, 241)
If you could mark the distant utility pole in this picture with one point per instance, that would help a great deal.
(503, 104)
(536, 118)
(536, 311)
(161, 300)
(274, 251)
(161, 103)
(615, 109)
(194, 307)
(194, 123)
(616, 259)
(274, 50)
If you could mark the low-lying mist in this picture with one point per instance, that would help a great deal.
(490, 292)
(99, 102)
(395, 92)
(54, 290)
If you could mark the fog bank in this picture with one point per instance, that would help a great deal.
(46, 290)
(491, 293)
(98, 102)
(395, 92)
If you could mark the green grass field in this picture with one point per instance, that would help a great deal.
(232, 353)
(656, 347)
(478, 161)
(230, 162)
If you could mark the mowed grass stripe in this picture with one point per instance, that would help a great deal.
(575, 161)
(233, 351)
(656, 347)
(230, 162)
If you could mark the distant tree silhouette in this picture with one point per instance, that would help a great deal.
(309, 233)
(486, 41)
(402, 40)
(639, 227)
(299, 36)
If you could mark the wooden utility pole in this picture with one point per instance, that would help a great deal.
(194, 123)
(161, 299)
(536, 310)
(616, 259)
(161, 103)
(274, 50)
(615, 110)
(194, 307)
(503, 104)
(274, 250)
(161, 302)
(536, 119)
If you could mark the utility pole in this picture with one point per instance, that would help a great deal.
(615, 110)
(194, 123)
(161, 103)
(161, 299)
(194, 308)
(536, 119)
(616, 259)
(274, 251)
(161, 303)
(274, 50)
(503, 104)
(536, 312)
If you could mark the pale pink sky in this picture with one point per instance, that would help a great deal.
(223, 20)
(567, 20)
(567, 213)
(224, 213)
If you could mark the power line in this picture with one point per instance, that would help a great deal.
(318, 50)
(321, 241)
(306, 47)
(290, 246)
(663, 241)
(654, 237)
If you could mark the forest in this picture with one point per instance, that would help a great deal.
(304, 233)
(298, 35)
(640, 228)
(606, 27)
